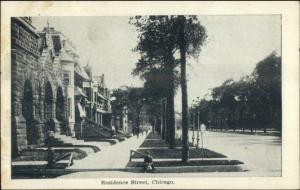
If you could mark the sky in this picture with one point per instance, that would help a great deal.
(234, 46)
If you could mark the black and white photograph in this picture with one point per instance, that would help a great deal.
(138, 100)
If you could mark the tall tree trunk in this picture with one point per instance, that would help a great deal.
(170, 120)
(153, 125)
(167, 127)
(163, 130)
(170, 113)
(138, 122)
(185, 121)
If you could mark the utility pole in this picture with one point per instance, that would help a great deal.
(163, 133)
(198, 126)
(194, 123)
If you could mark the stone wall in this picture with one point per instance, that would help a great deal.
(36, 66)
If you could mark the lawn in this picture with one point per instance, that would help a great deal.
(159, 149)
(153, 136)
(154, 140)
(161, 153)
(160, 143)
(165, 157)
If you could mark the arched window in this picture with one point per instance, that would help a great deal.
(48, 101)
(48, 108)
(27, 111)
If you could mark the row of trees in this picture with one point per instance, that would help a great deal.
(142, 106)
(164, 43)
(253, 102)
(160, 40)
(133, 99)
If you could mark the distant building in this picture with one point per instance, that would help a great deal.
(98, 107)
(120, 121)
(124, 124)
(68, 59)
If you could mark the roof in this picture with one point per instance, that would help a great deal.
(66, 57)
(81, 72)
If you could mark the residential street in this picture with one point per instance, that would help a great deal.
(261, 154)
(73, 118)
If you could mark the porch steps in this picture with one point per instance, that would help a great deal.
(93, 132)
(70, 141)
(41, 154)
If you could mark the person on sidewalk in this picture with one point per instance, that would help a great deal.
(148, 163)
(113, 131)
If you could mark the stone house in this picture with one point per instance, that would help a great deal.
(51, 91)
(37, 90)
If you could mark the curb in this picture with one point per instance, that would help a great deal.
(45, 171)
(185, 169)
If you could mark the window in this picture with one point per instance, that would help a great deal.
(67, 78)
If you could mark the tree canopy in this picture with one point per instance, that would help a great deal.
(252, 102)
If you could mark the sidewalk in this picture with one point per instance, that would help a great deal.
(110, 158)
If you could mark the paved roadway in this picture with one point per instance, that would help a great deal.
(261, 154)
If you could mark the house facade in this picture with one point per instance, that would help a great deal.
(50, 90)
(37, 91)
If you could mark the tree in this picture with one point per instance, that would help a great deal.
(191, 37)
(241, 94)
(254, 101)
(133, 98)
(225, 95)
(135, 103)
(160, 37)
(153, 109)
(267, 75)
(185, 123)
(120, 101)
(157, 47)
(156, 91)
